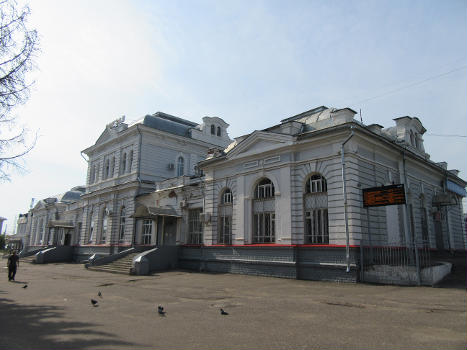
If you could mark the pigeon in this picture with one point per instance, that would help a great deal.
(160, 310)
(25, 286)
(224, 312)
(99, 294)
(94, 302)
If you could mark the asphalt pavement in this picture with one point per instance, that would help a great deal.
(55, 312)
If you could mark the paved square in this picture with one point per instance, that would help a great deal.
(55, 312)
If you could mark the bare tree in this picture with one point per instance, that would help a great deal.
(18, 48)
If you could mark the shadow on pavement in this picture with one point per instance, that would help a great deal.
(40, 327)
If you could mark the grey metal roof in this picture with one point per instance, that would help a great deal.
(174, 119)
(304, 114)
(170, 124)
(70, 196)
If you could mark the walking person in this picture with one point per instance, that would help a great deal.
(13, 263)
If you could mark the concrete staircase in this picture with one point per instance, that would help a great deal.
(122, 265)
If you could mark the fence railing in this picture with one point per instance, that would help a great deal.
(393, 262)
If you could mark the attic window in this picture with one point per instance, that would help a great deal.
(412, 138)
(218, 131)
(213, 129)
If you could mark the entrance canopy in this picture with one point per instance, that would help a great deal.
(152, 212)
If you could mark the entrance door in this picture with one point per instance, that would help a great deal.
(170, 230)
(67, 240)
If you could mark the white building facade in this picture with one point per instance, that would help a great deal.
(271, 202)
(128, 161)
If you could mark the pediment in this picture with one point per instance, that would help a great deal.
(105, 136)
(259, 142)
(39, 205)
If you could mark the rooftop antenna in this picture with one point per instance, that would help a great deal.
(361, 120)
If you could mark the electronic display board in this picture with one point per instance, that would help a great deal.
(384, 195)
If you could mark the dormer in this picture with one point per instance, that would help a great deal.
(376, 128)
(212, 130)
(410, 131)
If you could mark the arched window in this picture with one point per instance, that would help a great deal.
(264, 189)
(91, 227)
(180, 166)
(105, 217)
(112, 168)
(213, 129)
(316, 184)
(122, 170)
(264, 217)
(225, 217)
(316, 210)
(121, 230)
(130, 161)
(218, 131)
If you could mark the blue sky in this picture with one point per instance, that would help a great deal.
(251, 63)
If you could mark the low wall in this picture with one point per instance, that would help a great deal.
(25, 252)
(309, 263)
(55, 254)
(407, 275)
(157, 259)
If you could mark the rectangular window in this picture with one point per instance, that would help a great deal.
(195, 227)
(147, 231)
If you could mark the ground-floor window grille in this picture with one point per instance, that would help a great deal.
(195, 227)
(264, 221)
(147, 231)
(225, 230)
(316, 226)
(225, 223)
(264, 227)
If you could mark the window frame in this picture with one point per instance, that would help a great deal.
(315, 210)
(104, 226)
(225, 217)
(180, 166)
(195, 226)
(121, 224)
(146, 236)
(264, 189)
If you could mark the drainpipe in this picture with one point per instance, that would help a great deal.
(344, 190)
